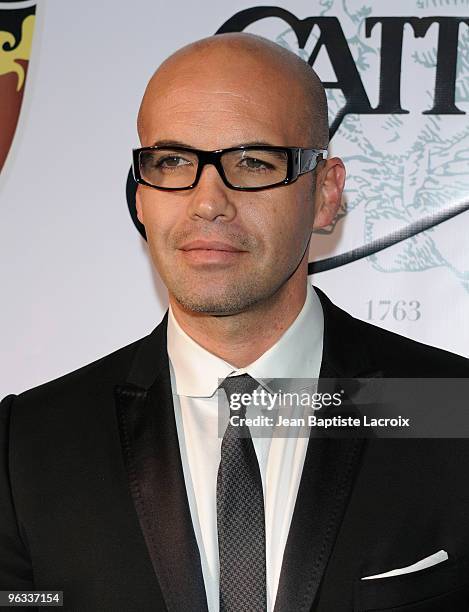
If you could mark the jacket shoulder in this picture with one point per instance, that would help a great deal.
(99, 374)
(396, 355)
(400, 354)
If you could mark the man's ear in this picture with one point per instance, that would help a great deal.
(138, 205)
(329, 187)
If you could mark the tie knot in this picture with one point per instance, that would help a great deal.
(238, 385)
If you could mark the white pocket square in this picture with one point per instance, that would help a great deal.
(437, 557)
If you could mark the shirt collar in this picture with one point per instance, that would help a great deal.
(296, 354)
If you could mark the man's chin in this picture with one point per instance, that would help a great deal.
(225, 305)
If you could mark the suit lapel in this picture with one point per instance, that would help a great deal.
(329, 471)
(152, 459)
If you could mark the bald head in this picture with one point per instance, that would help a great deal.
(243, 64)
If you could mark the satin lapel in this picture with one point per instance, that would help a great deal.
(329, 471)
(152, 459)
(326, 482)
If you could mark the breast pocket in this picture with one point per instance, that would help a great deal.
(440, 588)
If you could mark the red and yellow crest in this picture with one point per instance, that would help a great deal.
(16, 35)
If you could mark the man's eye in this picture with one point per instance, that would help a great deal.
(172, 162)
(252, 163)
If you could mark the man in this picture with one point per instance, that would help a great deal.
(116, 487)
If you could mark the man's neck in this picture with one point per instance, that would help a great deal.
(242, 338)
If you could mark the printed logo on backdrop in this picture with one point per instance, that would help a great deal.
(398, 93)
(16, 35)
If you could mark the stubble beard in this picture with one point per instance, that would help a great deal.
(232, 299)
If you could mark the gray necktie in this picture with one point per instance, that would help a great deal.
(240, 514)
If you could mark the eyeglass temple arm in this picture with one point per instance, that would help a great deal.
(308, 159)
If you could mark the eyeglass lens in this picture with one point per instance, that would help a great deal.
(171, 168)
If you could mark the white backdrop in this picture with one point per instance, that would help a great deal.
(76, 280)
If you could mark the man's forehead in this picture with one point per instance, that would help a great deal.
(233, 79)
(224, 97)
(217, 117)
(177, 92)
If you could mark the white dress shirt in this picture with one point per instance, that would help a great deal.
(195, 374)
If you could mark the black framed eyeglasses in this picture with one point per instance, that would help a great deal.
(248, 168)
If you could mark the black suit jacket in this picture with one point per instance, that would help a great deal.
(93, 501)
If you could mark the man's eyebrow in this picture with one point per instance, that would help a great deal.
(168, 143)
(257, 143)
(178, 143)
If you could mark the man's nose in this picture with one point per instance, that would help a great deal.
(211, 199)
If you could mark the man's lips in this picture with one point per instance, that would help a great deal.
(210, 253)
(209, 245)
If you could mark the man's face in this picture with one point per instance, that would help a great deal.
(200, 104)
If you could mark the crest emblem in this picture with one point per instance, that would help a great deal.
(16, 35)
